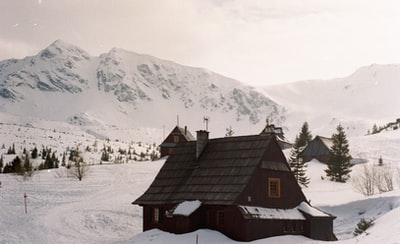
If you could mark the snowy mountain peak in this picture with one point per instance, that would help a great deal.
(62, 50)
(129, 82)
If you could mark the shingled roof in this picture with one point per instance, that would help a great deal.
(175, 132)
(219, 175)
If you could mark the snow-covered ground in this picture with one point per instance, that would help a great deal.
(98, 209)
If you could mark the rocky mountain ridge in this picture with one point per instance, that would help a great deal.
(133, 81)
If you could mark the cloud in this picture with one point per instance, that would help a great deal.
(254, 41)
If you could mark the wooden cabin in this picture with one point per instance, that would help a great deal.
(240, 186)
(270, 129)
(318, 148)
(178, 134)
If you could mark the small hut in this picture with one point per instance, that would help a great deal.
(178, 134)
(318, 148)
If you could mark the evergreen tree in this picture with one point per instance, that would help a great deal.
(339, 157)
(380, 161)
(63, 159)
(305, 135)
(363, 225)
(105, 156)
(28, 168)
(297, 164)
(55, 160)
(1, 163)
(11, 150)
(16, 166)
(375, 129)
(48, 163)
(44, 152)
(34, 153)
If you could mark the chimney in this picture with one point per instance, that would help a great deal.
(202, 138)
(185, 130)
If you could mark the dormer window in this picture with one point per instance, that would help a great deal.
(274, 187)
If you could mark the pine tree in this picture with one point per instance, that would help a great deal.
(28, 168)
(34, 153)
(63, 159)
(297, 164)
(1, 163)
(339, 157)
(375, 129)
(363, 225)
(305, 135)
(380, 161)
(11, 150)
(16, 165)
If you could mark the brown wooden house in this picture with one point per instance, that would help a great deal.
(318, 148)
(178, 134)
(270, 129)
(240, 186)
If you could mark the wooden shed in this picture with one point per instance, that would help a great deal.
(240, 186)
(318, 148)
(178, 134)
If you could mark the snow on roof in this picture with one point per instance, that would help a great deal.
(272, 213)
(276, 213)
(327, 141)
(186, 208)
(311, 210)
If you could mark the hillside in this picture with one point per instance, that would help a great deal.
(368, 96)
(125, 89)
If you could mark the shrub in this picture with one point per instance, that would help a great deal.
(363, 225)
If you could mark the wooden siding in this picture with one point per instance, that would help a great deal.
(318, 148)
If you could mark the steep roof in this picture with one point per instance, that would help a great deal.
(328, 142)
(186, 133)
(217, 177)
(318, 146)
(176, 132)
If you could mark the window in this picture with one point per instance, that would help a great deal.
(156, 215)
(176, 138)
(220, 217)
(274, 187)
(285, 227)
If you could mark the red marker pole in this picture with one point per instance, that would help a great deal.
(26, 208)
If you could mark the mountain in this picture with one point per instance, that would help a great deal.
(370, 95)
(63, 82)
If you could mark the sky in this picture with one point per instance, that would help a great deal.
(259, 42)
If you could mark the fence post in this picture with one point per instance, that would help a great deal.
(26, 208)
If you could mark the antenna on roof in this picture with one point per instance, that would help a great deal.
(206, 119)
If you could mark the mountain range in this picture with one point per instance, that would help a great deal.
(123, 89)
(65, 83)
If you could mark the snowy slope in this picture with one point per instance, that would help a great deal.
(98, 209)
(369, 95)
